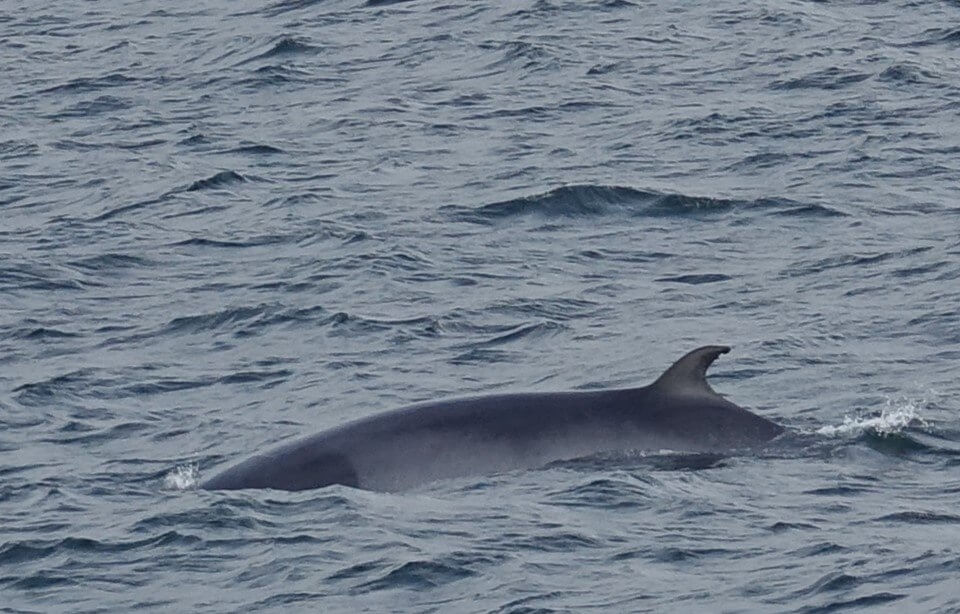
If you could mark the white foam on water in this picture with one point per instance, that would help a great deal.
(183, 477)
(897, 415)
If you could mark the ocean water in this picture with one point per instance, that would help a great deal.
(225, 224)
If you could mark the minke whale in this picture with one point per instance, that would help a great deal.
(479, 435)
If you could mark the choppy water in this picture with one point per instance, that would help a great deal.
(225, 224)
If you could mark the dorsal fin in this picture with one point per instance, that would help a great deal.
(690, 372)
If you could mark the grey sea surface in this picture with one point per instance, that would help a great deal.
(226, 224)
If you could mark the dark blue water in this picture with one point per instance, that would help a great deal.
(227, 224)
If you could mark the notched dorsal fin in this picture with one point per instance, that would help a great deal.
(690, 372)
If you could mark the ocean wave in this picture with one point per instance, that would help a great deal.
(219, 180)
(284, 47)
(591, 200)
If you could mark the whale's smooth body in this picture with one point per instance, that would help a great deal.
(404, 448)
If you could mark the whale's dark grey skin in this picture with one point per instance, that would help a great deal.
(404, 448)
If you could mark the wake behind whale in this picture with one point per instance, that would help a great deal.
(410, 446)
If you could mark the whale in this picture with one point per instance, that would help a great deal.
(479, 435)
